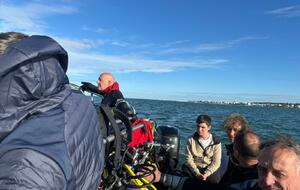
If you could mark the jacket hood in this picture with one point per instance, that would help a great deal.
(32, 80)
(33, 47)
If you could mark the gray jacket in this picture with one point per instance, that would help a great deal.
(49, 134)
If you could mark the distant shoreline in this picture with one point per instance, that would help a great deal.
(262, 104)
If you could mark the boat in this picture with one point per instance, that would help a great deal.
(129, 159)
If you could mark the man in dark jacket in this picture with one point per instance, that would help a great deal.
(107, 87)
(111, 92)
(245, 149)
(49, 134)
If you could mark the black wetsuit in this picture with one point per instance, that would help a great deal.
(110, 99)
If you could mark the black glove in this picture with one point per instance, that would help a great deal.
(86, 86)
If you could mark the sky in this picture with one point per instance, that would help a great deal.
(213, 50)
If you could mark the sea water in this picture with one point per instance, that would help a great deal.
(267, 122)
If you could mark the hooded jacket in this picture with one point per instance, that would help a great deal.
(49, 134)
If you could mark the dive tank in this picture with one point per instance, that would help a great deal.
(167, 154)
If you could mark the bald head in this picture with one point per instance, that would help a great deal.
(246, 144)
(107, 76)
(105, 80)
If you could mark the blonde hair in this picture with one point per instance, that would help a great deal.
(234, 119)
(8, 38)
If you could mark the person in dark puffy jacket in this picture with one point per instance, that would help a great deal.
(49, 134)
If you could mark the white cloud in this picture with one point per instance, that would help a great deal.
(120, 43)
(84, 58)
(78, 44)
(93, 62)
(170, 44)
(97, 30)
(75, 44)
(291, 11)
(27, 18)
(212, 46)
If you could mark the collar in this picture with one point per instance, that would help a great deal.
(113, 87)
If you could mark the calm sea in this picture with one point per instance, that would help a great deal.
(265, 121)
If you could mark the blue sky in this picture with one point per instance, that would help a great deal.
(169, 49)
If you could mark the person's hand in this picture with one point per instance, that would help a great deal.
(87, 86)
(200, 176)
(204, 177)
(157, 174)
